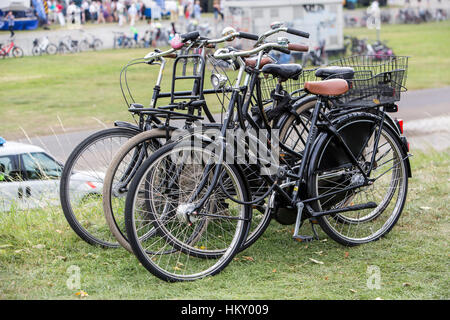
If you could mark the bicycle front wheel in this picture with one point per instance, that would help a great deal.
(82, 183)
(169, 240)
(121, 171)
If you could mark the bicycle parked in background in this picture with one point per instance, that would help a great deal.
(43, 46)
(10, 50)
(90, 41)
(68, 45)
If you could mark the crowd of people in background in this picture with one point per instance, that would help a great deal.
(65, 12)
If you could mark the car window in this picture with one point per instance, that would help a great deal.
(8, 171)
(40, 166)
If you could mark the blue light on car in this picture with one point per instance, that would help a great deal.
(2, 141)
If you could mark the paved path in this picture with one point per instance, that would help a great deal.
(426, 114)
(105, 32)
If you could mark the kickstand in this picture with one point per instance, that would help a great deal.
(313, 227)
(298, 224)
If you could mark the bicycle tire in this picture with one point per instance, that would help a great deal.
(166, 270)
(51, 49)
(116, 227)
(36, 51)
(17, 52)
(81, 228)
(391, 138)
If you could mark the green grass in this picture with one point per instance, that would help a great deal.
(427, 44)
(81, 88)
(37, 248)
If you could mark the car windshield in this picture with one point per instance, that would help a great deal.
(39, 166)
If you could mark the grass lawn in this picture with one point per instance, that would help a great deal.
(37, 92)
(427, 44)
(37, 248)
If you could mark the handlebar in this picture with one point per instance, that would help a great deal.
(194, 35)
(297, 32)
(248, 36)
(281, 29)
(298, 47)
(283, 50)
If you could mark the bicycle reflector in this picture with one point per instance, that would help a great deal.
(2, 141)
(400, 125)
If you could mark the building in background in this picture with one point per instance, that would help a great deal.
(323, 19)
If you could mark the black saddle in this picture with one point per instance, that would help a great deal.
(283, 71)
(346, 73)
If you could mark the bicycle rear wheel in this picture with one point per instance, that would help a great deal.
(388, 191)
(17, 52)
(51, 49)
(183, 245)
(82, 183)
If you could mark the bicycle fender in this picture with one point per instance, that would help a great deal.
(124, 124)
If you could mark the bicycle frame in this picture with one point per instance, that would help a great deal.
(7, 50)
(294, 199)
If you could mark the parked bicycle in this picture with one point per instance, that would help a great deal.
(122, 40)
(68, 45)
(190, 201)
(90, 41)
(185, 202)
(43, 46)
(92, 156)
(10, 50)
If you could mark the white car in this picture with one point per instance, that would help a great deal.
(29, 178)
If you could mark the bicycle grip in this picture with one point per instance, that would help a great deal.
(172, 55)
(190, 36)
(284, 50)
(297, 32)
(249, 36)
(298, 47)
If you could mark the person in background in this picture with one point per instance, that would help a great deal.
(120, 7)
(135, 33)
(107, 11)
(71, 10)
(197, 10)
(93, 11)
(114, 10)
(100, 12)
(59, 13)
(51, 11)
(84, 11)
(132, 13)
(217, 10)
(10, 18)
(138, 9)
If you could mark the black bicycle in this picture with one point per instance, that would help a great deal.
(188, 208)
